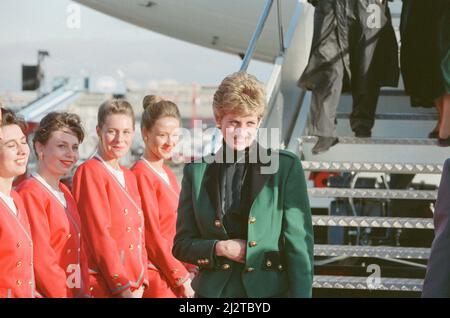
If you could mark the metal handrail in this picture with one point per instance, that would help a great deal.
(280, 28)
(256, 35)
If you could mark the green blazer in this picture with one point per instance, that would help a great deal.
(279, 258)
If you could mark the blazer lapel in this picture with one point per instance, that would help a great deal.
(257, 180)
(211, 183)
(253, 184)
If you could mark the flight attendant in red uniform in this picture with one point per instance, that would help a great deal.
(110, 209)
(159, 189)
(60, 260)
(16, 245)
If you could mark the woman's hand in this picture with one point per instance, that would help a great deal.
(234, 250)
(188, 291)
(138, 292)
(126, 294)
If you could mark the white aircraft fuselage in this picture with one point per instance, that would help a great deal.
(224, 25)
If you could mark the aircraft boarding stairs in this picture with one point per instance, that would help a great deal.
(61, 95)
(371, 198)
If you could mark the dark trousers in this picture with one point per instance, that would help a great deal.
(325, 101)
(362, 117)
(327, 88)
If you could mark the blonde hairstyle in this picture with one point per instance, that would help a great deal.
(240, 93)
(156, 107)
(114, 107)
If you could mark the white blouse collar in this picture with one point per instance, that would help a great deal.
(9, 201)
(59, 195)
(162, 175)
(118, 174)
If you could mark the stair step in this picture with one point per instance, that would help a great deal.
(404, 168)
(365, 283)
(397, 116)
(377, 141)
(378, 222)
(372, 193)
(391, 101)
(372, 251)
(393, 126)
(381, 150)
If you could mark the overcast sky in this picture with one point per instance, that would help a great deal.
(100, 47)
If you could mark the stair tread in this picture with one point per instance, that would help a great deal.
(396, 116)
(376, 141)
(372, 167)
(372, 251)
(373, 193)
(364, 283)
(379, 222)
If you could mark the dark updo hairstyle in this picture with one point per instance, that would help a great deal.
(11, 118)
(156, 107)
(114, 107)
(56, 121)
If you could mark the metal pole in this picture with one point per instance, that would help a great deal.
(252, 44)
(280, 27)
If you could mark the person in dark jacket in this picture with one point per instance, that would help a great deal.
(437, 279)
(354, 48)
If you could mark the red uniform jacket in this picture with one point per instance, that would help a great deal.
(16, 252)
(60, 260)
(160, 203)
(113, 225)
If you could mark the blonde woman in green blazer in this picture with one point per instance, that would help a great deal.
(244, 215)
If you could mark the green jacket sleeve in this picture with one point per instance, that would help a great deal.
(298, 233)
(189, 245)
